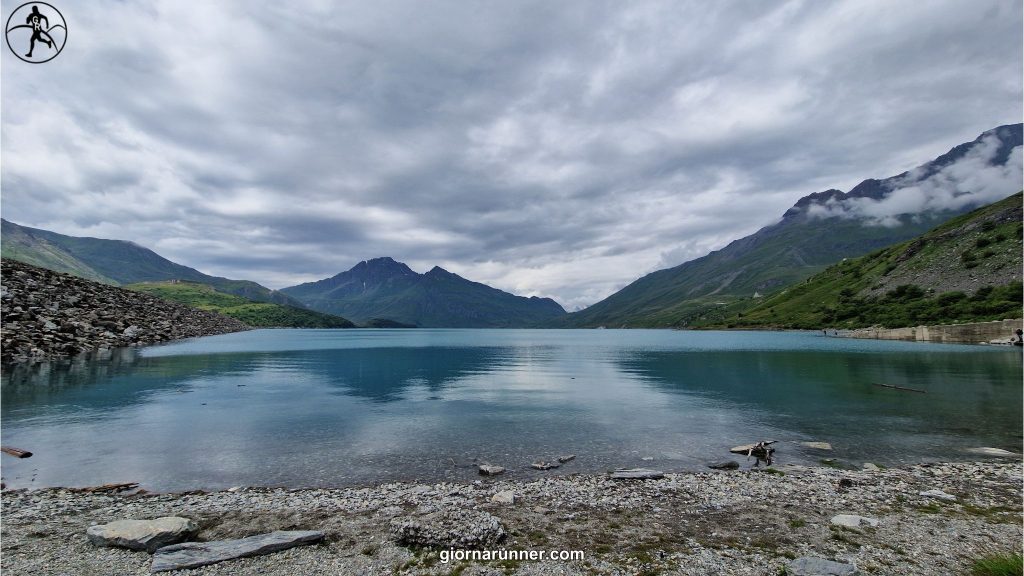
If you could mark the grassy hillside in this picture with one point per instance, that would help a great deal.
(966, 270)
(801, 244)
(257, 314)
(21, 245)
(116, 262)
(777, 256)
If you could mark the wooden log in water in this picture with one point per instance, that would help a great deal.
(117, 487)
(17, 453)
(894, 387)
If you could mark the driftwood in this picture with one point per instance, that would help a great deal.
(17, 453)
(762, 451)
(107, 487)
(894, 387)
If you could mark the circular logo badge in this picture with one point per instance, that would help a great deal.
(36, 32)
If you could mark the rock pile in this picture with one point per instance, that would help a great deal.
(47, 314)
(465, 529)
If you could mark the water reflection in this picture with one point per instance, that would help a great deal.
(968, 400)
(337, 407)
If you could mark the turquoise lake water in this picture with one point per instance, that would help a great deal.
(341, 407)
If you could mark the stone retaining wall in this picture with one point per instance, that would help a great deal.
(999, 331)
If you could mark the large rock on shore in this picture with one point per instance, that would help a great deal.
(463, 529)
(46, 314)
(145, 535)
(196, 554)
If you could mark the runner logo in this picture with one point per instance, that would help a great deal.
(36, 32)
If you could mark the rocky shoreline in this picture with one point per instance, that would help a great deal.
(928, 519)
(48, 315)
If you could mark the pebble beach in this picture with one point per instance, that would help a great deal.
(929, 519)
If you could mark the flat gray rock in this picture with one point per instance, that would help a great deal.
(817, 445)
(196, 554)
(145, 535)
(986, 451)
(637, 474)
(490, 470)
(811, 566)
(853, 521)
(938, 494)
(504, 497)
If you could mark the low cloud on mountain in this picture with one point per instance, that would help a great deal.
(970, 181)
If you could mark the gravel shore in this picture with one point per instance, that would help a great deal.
(730, 522)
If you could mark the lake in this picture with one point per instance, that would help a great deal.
(340, 407)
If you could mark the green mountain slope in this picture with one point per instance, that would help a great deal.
(115, 262)
(802, 244)
(257, 314)
(385, 289)
(966, 270)
(20, 243)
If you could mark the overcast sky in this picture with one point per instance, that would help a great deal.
(546, 148)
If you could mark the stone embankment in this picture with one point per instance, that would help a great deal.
(933, 519)
(47, 315)
(997, 332)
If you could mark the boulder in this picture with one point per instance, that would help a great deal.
(724, 465)
(196, 554)
(812, 566)
(871, 467)
(637, 474)
(564, 459)
(504, 497)
(145, 535)
(853, 521)
(490, 470)
(463, 529)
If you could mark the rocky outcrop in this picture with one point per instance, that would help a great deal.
(47, 314)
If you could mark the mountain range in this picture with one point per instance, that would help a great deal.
(376, 293)
(820, 230)
(382, 288)
(808, 238)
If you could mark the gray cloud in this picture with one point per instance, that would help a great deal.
(971, 180)
(547, 148)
